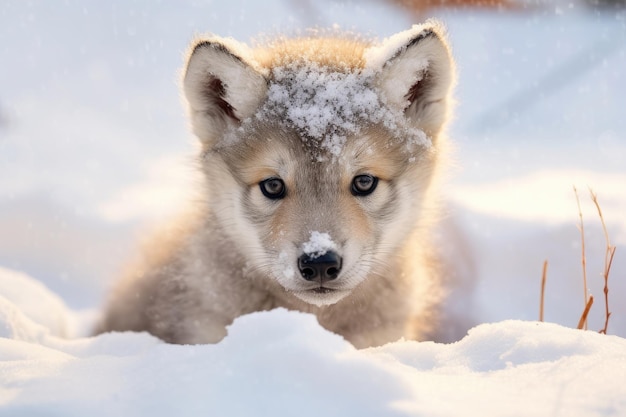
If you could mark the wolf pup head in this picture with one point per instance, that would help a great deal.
(319, 152)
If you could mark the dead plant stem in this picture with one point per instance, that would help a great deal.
(583, 317)
(608, 261)
(583, 257)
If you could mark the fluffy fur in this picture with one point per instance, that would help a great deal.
(313, 113)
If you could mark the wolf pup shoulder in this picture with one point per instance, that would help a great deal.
(320, 158)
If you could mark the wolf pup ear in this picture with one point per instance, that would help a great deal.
(416, 75)
(221, 85)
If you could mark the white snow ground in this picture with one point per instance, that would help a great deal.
(284, 363)
(93, 147)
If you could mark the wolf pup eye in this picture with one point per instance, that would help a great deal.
(363, 185)
(273, 188)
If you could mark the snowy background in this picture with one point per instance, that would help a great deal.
(94, 149)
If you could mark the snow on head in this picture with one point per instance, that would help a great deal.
(318, 244)
(325, 106)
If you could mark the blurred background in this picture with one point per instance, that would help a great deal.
(95, 149)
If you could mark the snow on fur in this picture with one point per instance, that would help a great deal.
(327, 106)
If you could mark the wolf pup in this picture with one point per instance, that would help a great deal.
(320, 156)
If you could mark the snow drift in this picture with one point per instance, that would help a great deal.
(284, 363)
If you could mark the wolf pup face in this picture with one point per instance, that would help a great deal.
(319, 152)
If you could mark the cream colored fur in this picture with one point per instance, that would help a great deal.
(237, 253)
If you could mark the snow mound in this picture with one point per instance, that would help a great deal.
(29, 303)
(284, 363)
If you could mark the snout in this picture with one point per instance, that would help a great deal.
(321, 268)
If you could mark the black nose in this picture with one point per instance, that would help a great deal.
(322, 268)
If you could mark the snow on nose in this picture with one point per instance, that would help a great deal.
(318, 244)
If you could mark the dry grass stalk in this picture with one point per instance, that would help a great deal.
(608, 261)
(583, 257)
(583, 318)
(543, 288)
